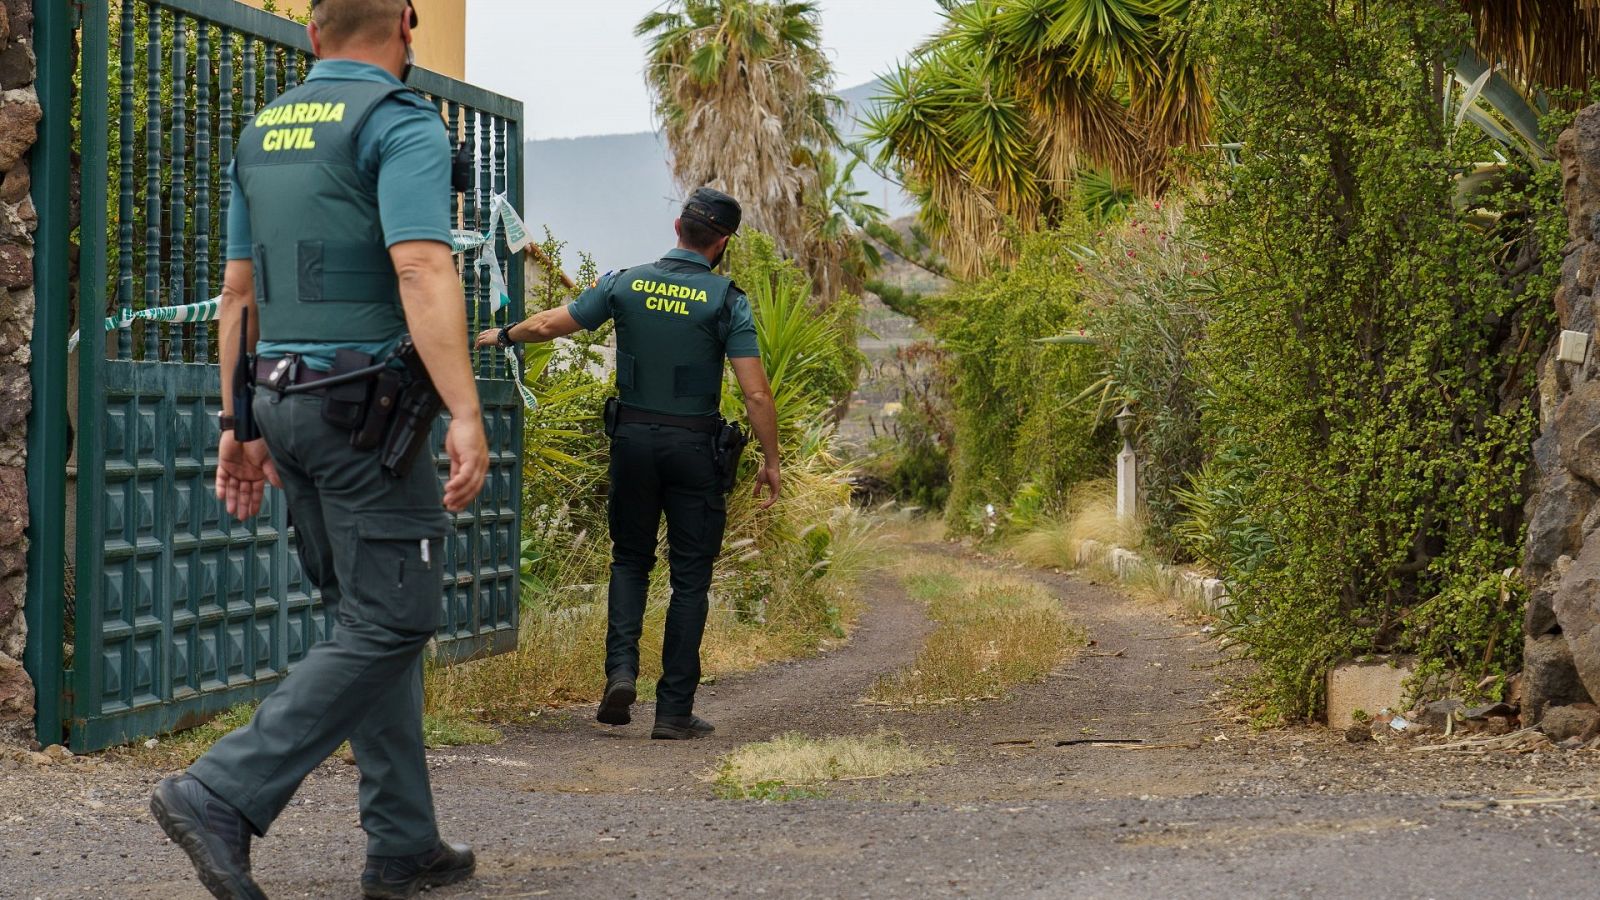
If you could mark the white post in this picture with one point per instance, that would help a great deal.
(1127, 483)
(1127, 469)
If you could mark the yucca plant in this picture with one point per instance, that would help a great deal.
(999, 115)
(810, 367)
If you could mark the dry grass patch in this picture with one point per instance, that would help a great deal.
(1091, 515)
(994, 632)
(792, 766)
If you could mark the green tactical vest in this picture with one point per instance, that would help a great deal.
(672, 333)
(322, 270)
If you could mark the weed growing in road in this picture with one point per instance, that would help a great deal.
(789, 767)
(179, 750)
(456, 730)
(993, 633)
(767, 791)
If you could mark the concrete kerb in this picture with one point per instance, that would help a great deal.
(1192, 589)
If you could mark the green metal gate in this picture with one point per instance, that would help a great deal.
(160, 610)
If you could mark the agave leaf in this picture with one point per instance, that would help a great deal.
(1509, 103)
(1471, 96)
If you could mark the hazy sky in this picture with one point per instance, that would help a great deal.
(579, 68)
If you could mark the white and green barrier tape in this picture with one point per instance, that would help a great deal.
(501, 213)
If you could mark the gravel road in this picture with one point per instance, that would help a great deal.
(1206, 807)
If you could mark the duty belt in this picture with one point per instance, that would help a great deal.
(295, 373)
(627, 415)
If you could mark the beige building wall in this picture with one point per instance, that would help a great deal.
(441, 38)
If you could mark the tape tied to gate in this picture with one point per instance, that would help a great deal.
(205, 311)
(501, 214)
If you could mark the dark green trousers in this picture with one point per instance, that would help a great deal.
(361, 534)
(658, 469)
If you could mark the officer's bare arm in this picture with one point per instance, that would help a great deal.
(763, 420)
(436, 313)
(541, 327)
(546, 326)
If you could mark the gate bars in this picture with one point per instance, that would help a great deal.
(180, 613)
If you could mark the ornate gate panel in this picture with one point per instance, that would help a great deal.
(180, 612)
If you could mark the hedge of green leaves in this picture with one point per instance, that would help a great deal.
(1371, 349)
(1019, 436)
(1331, 356)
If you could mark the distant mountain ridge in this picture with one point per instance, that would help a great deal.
(613, 197)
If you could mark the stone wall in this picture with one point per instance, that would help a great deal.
(1562, 666)
(19, 118)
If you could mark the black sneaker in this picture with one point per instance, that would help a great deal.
(403, 877)
(620, 694)
(214, 834)
(680, 728)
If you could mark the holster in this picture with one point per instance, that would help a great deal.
(727, 447)
(416, 406)
(609, 415)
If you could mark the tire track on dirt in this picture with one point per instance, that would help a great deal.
(816, 695)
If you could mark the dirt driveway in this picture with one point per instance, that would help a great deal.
(1032, 800)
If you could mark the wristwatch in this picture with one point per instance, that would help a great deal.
(227, 422)
(505, 337)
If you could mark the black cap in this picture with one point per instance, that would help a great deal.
(714, 208)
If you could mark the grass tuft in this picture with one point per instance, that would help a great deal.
(791, 766)
(1091, 514)
(456, 731)
(994, 632)
(177, 751)
(180, 750)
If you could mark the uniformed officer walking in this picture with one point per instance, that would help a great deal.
(338, 243)
(676, 320)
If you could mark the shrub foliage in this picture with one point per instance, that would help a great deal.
(1371, 351)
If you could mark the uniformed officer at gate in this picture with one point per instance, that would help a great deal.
(671, 453)
(338, 244)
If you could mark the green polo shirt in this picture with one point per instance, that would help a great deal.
(405, 152)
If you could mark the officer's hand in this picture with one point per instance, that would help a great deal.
(241, 477)
(769, 478)
(469, 462)
(489, 338)
(257, 453)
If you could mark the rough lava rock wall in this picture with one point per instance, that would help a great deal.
(1562, 665)
(19, 118)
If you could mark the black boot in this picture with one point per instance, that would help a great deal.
(403, 877)
(680, 728)
(214, 834)
(620, 694)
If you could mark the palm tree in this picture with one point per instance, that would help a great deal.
(744, 94)
(837, 217)
(996, 118)
(1550, 43)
